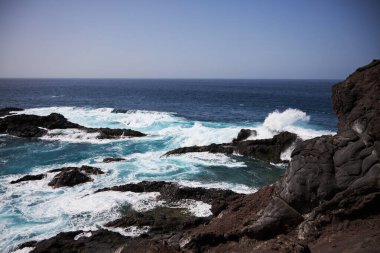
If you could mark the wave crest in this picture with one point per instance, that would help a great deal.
(278, 121)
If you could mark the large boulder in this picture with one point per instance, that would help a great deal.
(70, 176)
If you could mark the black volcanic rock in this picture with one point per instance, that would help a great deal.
(84, 168)
(35, 126)
(266, 149)
(159, 219)
(113, 159)
(356, 101)
(70, 176)
(29, 178)
(32, 125)
(7, 110)
(244, 134)
(172, 192)
(108, 133)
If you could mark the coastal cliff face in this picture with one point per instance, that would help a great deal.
(327, 201)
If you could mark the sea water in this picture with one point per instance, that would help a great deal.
(173, 113)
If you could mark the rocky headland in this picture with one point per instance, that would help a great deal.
(327, 201)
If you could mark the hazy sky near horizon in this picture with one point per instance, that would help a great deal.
(187, 39)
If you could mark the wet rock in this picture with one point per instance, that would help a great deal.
(172, 192)
(108, 133)
(113, 159)
(101, 241)
(213, 148)
(267, 149)
(70, 176)
(159, 219)
(84, 168)
(7, 111)
(29, 178)
(244, 134)
(36, 126)
(356, 100)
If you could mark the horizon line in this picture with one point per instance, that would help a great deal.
(161, 78)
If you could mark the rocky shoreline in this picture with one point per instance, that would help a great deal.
(327, 201)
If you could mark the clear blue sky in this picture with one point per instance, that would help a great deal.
(187, 39)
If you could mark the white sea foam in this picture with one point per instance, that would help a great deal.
(209, 159)
(24, 250)
(195, 208)
(239, 188)
(72, 135)
(199, 134)
(286, 155)
(132, 231)
(84, 234)
(103, 117)
(277, 122)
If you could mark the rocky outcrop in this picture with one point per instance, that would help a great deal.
(29, 178)
(36, 126)
(266, 149)
(67, 176)
(160, 220)
(8, 111)
(172, 192)
(70, 176)
(356, 101)
(244, 134)
(113, 159)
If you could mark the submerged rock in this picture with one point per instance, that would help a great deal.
(267, 149)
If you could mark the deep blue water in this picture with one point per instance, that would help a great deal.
(206, 100)
(174, 113)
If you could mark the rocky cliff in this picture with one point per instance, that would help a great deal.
(327, 201)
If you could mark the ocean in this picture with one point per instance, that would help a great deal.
(173, 113)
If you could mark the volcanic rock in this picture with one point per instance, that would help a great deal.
(172, 192)
(29, 178)
(70, 176)
(267, 149)
(7, 111)
(36, 126)
(113, 159)
(244, 134)
(159, 219)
